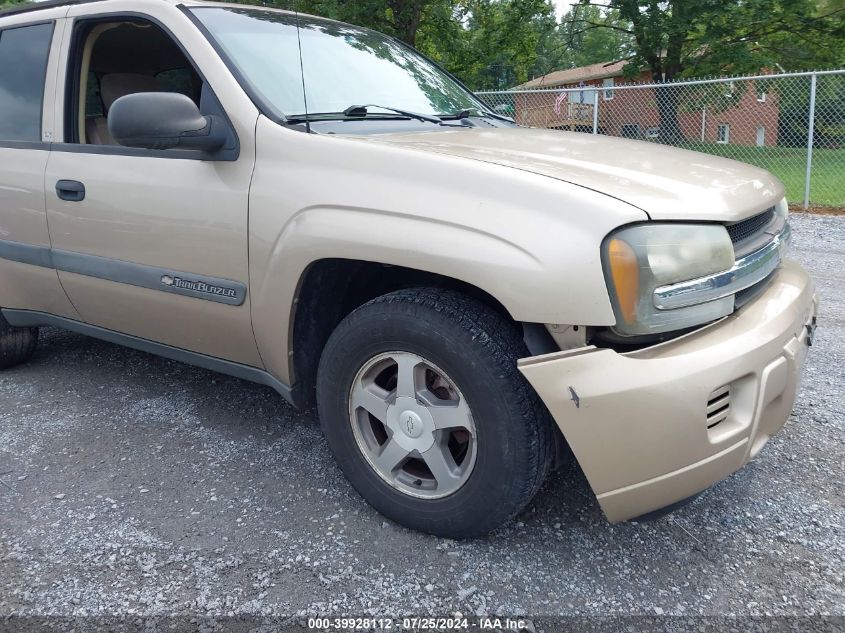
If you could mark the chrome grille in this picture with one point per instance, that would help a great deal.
(718, 406)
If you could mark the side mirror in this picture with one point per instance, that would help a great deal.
(164, 120)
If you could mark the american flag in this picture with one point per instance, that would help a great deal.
(561, 99)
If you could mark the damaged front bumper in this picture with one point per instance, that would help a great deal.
(653, 427)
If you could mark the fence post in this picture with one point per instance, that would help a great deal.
(703, 123)
(596, 113)
(811, 130)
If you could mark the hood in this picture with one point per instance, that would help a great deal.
(666, 182)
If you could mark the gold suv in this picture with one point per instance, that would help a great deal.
(318, 208)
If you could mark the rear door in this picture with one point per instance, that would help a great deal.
(151, 243)
(28, 65)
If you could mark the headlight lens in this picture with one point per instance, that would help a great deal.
(782, 209)
(641, 258)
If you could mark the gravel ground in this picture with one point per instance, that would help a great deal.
(137, 486)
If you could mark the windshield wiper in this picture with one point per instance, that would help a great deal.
(460, 115)
(361, 111)
(457, 116)
(500, 117)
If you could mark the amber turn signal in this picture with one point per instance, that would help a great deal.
(624, 270)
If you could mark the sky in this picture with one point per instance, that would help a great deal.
(562, 6)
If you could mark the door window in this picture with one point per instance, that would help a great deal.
(23, 71)
(182, 80)
(115, 59)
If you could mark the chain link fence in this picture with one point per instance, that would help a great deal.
(792, 124)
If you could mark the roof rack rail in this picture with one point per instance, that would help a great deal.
(29, 7)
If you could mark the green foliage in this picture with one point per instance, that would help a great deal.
(5, 4)
(685, 38)
(794, 110)
(674, 39)
(500, 40)
(591, 34)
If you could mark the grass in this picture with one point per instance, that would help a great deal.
(789, 164)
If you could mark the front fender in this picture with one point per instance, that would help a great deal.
(530, 241)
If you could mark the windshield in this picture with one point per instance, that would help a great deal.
(343, 66)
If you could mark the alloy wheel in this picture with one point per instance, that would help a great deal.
(413, 425)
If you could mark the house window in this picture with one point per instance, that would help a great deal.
(608, 88)
(584, 95)
(761, 94)
(724, 135)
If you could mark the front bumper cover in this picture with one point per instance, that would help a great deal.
(637, 422)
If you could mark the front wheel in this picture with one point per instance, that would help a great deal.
(427, 415)
(17, 344)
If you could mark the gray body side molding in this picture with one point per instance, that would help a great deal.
(26, 253)
(152, 277)
(28, 318)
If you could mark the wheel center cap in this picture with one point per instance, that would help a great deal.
(411, 424)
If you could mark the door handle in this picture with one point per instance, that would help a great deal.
(70, 190)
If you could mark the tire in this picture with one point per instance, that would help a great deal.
(17, 344)
(506, 448)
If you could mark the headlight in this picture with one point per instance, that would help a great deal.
(641, 258)
(782, 209)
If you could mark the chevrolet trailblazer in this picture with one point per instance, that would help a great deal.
(317, 207)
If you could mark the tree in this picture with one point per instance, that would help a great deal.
(583, 46)
(400, 18)
(680, 38)
(500, 41)
(550, 51)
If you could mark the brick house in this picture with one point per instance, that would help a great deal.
(738, 113)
